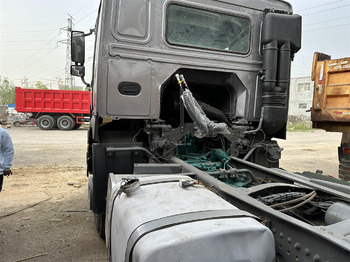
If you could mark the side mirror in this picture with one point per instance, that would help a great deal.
(78, 47)
(77, 70)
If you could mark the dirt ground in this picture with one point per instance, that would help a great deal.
(311, 151)
(43, 205)
(44, 209)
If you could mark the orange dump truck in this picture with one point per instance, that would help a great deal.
(331, 103)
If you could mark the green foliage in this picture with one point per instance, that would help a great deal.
(66, 87)
(299, 127)
(7, 92)
(40, 85)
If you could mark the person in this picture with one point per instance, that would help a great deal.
(6, 155)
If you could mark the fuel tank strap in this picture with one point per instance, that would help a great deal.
(170, 221)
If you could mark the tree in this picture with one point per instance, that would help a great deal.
(40, 85)
(64, 87)
(7, 92)
(67, 87)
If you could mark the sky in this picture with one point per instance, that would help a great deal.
(33, 36)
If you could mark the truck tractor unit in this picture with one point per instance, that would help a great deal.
(187, 98)
(63, 109)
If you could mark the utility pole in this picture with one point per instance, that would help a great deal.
(59, 82)
(68, 78)
(25, 82)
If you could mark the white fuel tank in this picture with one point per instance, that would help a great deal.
(157, 220)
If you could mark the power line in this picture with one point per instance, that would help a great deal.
(52, 72)
(8, 50)
(322, 28)
(24, 41)
(61, 70)
(34, 54)
(325, 10)
(35, 61)
(37, 52)
(318, 6)
(48, 68)
(322, 22)
(86, 16)
(32, 31)
(29, 60)
(82, 8)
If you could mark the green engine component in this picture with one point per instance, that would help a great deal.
(192, 146)
(241, 180)
(206, 166)
(215, 162)
(195, 153)
(204, 162)
(219, 155)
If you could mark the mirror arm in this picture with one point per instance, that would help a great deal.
(91, 31)
(85, 83)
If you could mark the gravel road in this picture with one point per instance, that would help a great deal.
(43, 205)
(35, 147)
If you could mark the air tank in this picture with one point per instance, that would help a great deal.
(337, 212)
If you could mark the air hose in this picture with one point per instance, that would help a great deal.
(194, 110)
(196, 114)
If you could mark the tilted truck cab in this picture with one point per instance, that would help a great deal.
(186, 96)
(234, 55)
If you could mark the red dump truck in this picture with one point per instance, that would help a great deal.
(64, 109)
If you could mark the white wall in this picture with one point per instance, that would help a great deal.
(301, 94)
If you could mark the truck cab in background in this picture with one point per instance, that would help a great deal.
(195, 90)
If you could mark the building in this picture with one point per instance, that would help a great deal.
(300, 99)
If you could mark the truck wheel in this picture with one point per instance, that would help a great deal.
(17, 124)
(344, 171)
(90, 192)
(77, 126)
(100, 224)
(65, 123)
(344, 157)
(46, 122)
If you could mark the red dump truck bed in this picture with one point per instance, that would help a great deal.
(52, 101)
(63, 109)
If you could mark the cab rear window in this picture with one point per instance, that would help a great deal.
(188, 26)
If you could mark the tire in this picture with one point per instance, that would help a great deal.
(100, 224)
(344, 171)
(46, 122)
(90, 192)
(99, 219)
(344, 157)
(65, 123)
(17, 124)
(77, 126)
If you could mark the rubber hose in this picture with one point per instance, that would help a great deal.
(217, 127)
(194, 113)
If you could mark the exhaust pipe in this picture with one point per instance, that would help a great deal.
(281, 39)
